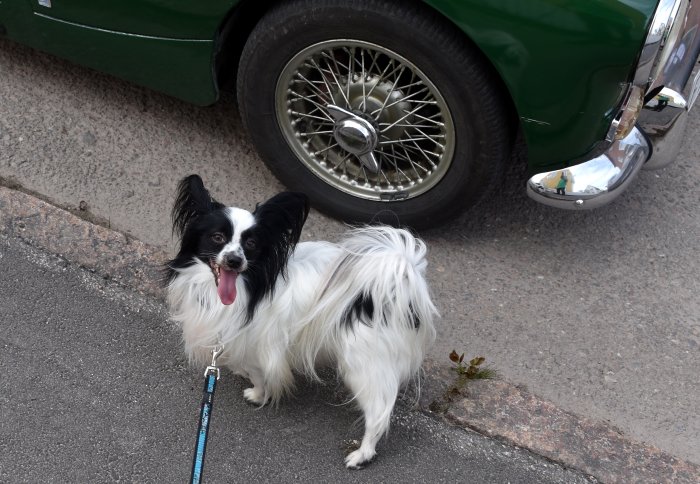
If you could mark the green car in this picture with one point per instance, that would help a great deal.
(406, 111)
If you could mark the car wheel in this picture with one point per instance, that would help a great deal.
(379, 111)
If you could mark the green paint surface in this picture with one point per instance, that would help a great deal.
(564, 63)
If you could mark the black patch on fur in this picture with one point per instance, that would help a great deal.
(361, 309)
(277, 228)
(413, 316)
(196, 216)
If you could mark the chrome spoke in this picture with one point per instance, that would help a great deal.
(415, 165)
(420, 131)
(323, 77)
(407, 140)
(309, 134)
(321, 107)
(329, 147)
(307, 115)
(402, 125)
(430, 120)
(363, 104)
(406, 98)
(398, 169)
(311, 84)
(379, 111)
(336, 80)
(405, 116)
(382, 75)
(426, 154)
(351, 55)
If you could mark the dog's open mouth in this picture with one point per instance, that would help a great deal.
(225, 282)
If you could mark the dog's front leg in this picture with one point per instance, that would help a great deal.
(271, 382)
(256, 394)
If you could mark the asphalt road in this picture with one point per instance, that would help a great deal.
(598, 311)
(94, 388)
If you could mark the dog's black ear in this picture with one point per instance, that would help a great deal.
(283, 217)
(278, 224)
(192, 201)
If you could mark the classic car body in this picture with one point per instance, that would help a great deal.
(574, 73)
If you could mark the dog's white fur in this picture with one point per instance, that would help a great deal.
(300, 328)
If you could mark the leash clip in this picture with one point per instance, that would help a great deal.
(213, 368)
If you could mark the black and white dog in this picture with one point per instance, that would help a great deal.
(361, 305)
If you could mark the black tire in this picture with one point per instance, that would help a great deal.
(466, 82)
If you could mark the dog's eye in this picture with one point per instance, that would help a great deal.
(250, 244)
(218, 238)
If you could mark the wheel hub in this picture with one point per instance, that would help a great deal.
(375, 100)
(355, 135)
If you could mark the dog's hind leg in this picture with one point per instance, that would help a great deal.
(375, 393)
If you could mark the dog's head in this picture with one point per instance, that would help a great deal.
(233, 241)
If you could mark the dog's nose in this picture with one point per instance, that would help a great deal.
(233, 261)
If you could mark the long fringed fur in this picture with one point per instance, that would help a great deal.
(377, 281)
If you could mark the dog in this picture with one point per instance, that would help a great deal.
(280, 307)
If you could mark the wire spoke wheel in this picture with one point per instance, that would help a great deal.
(379, 111)
(365, 120)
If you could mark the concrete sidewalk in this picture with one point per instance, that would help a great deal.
(95, 389)
(104, 338)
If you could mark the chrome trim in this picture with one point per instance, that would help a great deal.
(596, 182)
(667, 98)
(680, 51)
(657, 37)
(629, 112)
(663, 120)
(107, 31)
(665, 116)
(661, 36)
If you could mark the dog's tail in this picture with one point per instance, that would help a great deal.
(377, 294)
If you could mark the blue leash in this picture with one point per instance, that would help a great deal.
(211, 375)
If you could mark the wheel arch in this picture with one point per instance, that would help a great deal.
(242, 19)
(232, 36)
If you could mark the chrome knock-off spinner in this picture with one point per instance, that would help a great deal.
(355, 135)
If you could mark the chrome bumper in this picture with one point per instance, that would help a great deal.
(653, 143)
(595, 182)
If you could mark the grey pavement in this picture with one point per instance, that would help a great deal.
(596, 311)
(94, 388)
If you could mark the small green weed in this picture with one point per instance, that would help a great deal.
(465, 372)
(474, 371)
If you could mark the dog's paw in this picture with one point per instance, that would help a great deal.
(254, 395)
(359, 459)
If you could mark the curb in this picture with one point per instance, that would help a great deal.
(508, 412)
(112, 254)
(494, 408)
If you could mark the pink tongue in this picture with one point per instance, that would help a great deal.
(227, 286)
